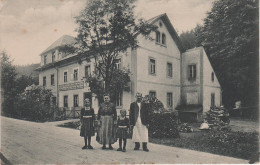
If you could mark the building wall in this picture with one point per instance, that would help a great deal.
(210, 86)
(48, 74)
(191, 89)
(159, 82)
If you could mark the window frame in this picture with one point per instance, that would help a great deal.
(117, 65)
(158, 37)
(149, 66)
(163, 39)
(169, 101)
(67, 103)
(167, 70)
(192, 74)
(89, 71)
(44, 81)
(75, 78)
(53, 57)
(212, 76)
(152, 91)
(120, 99)
(66, 71)
(52, 80)
(76, 104)
(44, 59)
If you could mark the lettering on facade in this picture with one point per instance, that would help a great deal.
(71, 86)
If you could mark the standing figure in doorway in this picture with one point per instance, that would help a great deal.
(107, 119)
(87, 118)
(139, 118)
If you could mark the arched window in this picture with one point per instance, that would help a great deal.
(158, 37)
(163, 39)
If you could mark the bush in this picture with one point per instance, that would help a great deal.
(35, 104)
(163, 125)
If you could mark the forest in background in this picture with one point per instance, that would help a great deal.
(230, 37)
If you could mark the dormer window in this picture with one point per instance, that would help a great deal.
(75, 74)
(53, 57)
(117, 64)
(45, 59)
(163, 39)
(158, 36)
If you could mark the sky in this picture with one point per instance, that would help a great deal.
(28, 27)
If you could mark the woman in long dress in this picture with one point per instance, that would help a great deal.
(87, 124)
(107, 118)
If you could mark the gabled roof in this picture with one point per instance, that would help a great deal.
(64, 40)
(170, 28)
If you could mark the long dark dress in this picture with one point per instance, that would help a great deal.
(87, 122)
(106, 132)
(122, 127)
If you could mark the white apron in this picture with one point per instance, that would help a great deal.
(140, 131)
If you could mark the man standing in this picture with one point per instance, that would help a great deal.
(139, 120)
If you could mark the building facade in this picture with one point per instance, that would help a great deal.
(158, 67)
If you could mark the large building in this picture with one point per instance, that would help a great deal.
(159, 67)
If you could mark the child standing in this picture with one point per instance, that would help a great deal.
(87, 124)
(122, 129)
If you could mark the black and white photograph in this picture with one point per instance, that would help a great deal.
(129, 81)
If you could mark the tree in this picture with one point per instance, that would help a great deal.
(8, 84)
(188, 39)
(35, 104)
(230, 37)
(107, 28)
(119, 81)
(25, 81)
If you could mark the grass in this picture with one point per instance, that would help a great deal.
(200, 141)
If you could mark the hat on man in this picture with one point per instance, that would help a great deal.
(138, 94)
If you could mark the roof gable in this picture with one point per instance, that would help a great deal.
(170, 28)
(64, 40)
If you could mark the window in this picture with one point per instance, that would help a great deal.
(117, 63)
(160, 23)
(212, 99)
(65, 76)
(152, 93)
(169, 69)
(65, 101)
(119, 99)
(192, 72)
(53, 57)
(44, 81)
(45, 59)
(163, 39)
(169, 99)
(152, 66)
(53, 101)
(158, 35)
(52, 79)
(87, 71)
(212, 76)
(75, 74)
(76, 100)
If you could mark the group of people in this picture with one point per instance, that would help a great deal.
(110, 127)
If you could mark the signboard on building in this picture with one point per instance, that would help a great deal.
(71, 86)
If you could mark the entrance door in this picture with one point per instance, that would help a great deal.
(88, 95)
